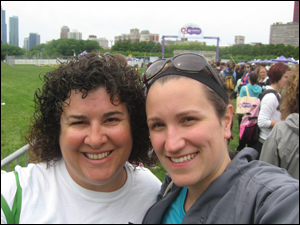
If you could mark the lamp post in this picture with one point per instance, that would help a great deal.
(73, 52)
(41, 52)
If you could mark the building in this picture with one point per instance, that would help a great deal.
(287, 34)
(64, 32)
(103, 42)
(3, 27)
(239, 40)
(26, 43)
(255, 44)
(75, 34)
(136, 36)
(14, 31)
(296, 12)
(154, 37)
(144, 35)
(33, 40)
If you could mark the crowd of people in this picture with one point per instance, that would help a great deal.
(95, 114)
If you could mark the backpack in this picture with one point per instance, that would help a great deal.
(249, 130)
(229, 80)
(13, 216)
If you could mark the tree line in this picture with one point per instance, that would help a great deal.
(67, 47)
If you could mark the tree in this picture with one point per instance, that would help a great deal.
(61, 47)
(10, 50)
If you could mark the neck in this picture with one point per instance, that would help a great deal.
(276, 87)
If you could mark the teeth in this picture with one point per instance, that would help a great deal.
(97, 156)
(183, 159)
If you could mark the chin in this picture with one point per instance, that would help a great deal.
(184, 180)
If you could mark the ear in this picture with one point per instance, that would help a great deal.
(228, 120)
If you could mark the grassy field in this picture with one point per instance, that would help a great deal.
(17, 92)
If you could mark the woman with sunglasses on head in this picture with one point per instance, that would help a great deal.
(245, 77)
(189, 119)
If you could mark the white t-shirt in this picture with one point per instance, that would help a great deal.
(51, 196)
(268, 111)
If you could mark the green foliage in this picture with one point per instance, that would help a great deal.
(237, 52)
(10, 50)
(65, 46)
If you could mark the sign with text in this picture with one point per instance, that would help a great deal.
(190, 30)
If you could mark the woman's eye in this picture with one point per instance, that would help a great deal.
(77, 123)
(111, 120)
(188, 119)
(156, 125)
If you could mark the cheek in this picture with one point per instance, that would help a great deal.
(70, 139)
(121, 135)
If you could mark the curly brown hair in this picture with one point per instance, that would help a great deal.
(290, 97)
(87, 73)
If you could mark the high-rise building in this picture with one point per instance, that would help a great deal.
(296, 12)
(64, 32)
(14, 31)
(34, 39)
(238, 40)
(26, 43)
(75, 34)
(287, 34)
(3, 27)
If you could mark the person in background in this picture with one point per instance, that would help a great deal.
(254, 91)
(218, 69)
(245, 77)
(223, 67)
(89, 121)
(238, 70)
(190, 137)
(281, 147)
(228, 71)
(269, 113)
(263, 79)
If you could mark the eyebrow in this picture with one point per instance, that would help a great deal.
(178, 115)
(81, 117)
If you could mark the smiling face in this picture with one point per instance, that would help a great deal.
(263, 73)
(187, 136)
(95, 140)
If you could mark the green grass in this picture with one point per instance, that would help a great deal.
(17, 92)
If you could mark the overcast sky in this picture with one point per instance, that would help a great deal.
(223, 19)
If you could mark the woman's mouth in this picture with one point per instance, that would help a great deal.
(97, 156)
(185, 158)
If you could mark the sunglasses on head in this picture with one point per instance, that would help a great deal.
(185, 62)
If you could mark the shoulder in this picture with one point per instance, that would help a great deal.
(269, 95)
(143, 176)
(262, 176)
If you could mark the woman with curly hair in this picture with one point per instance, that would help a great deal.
(281, 147)
(89, 121)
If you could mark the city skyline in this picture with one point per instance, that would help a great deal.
(254, 25)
